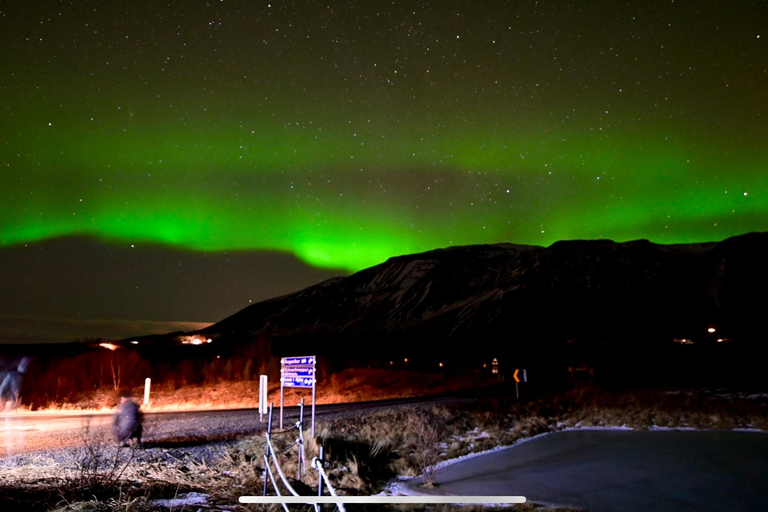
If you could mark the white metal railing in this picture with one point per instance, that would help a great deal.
(317, 463)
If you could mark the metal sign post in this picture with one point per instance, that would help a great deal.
(517, 380)
(298, 372)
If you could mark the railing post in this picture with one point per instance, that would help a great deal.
(266, 450)
(301, 440)
(319, 461)
(282, 397)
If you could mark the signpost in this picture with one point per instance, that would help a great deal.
(298, 372)
(517, 376)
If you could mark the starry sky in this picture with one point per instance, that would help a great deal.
(320, 138)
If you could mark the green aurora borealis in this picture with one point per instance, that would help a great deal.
(349, 133)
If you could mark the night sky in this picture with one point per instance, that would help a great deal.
(319, 138)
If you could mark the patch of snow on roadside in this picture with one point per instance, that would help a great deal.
(182, 500)
(398, 488)
(574, 429)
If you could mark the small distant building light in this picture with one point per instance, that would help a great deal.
(495, 366)
(711, 330)
(441, 365)
(134, 342)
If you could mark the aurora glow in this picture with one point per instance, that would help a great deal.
(349, 133)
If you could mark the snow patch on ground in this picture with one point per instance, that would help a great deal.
(597, 427)
(658, 427)
(184, 500)
(398, 487)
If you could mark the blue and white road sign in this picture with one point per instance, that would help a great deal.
(298, 361)
(298, 377)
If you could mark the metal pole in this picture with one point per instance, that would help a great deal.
(282, 396)
(314, 386)
(266, 453)
(319, 478)
(301, 439)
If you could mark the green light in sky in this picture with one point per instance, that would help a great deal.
(336, 203)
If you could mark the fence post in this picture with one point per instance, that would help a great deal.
(266, 450)
(301, 440)
(319, 461)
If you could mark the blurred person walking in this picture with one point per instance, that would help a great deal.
(127, 425)
(10, 387)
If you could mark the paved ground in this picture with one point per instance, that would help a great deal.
(605, 471)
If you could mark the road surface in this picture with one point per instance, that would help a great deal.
(610, 470)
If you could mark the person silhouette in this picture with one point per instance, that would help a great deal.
(10, 387)
(127, 424)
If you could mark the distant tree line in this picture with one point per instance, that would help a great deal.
(75, 378)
